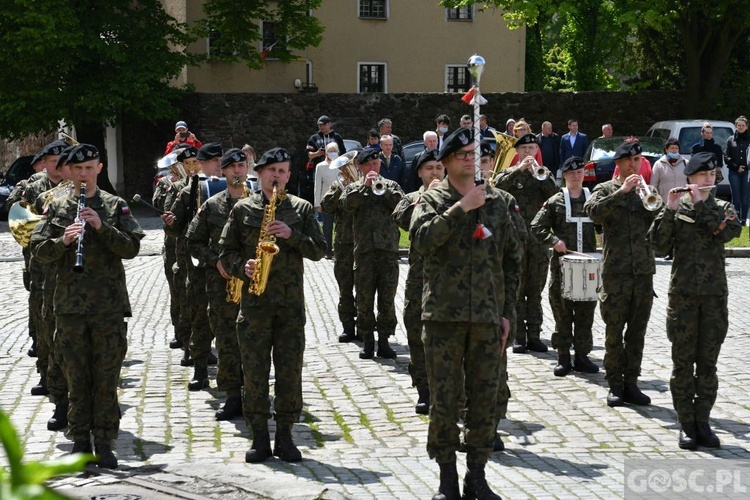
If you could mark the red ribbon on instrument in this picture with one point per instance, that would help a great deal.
(481, 232)
(468, 96)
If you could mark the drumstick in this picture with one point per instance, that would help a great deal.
(577, 253)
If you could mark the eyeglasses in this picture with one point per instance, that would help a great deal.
(462, 155)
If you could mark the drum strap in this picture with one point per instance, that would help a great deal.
(577, 220)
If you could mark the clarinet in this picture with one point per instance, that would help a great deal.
(78, 267)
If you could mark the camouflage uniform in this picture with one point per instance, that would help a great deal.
(697, 312)
(376, 238)
(530, 194)
(274, 322)
(90, 307)
(203, 237)
(627, 290)
(469, 284)
(550, 226)
(343, 252)
(179, 271)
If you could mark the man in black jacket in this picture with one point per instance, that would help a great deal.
(708, 145)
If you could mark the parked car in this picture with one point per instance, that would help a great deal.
(18, 171)
(599, 165)
(688, 132)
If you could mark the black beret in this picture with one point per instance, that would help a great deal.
(210, 151)
(460, 138)
(367, 154)
(231, 156)
(275, 155)
(37, 157)
(82, 153)
(54, 148)
(526, 139)
(627, 149)
(701, 161)
(485, 149)
(185, 153)
(323, 119)
(64, 155)
(572, 163)
(427, 155)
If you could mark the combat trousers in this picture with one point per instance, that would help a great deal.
(376, 272)
(343, 270)
(201, 334)
(503, 390)
(413, 325)
(26, 276)
(533, 277)
(696, 326)
(170, 259)
(222, 316)
(36, 302)
(93, 348)
(452, 349)
(182, 330)
(625, 300)
(57, 384)
(272, 332)
(573, 319)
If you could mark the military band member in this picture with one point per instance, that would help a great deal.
(371, 201)
(431, 173)
(90, 305)
(628, 268)
(272, 323)
(530, 192)
(462, 231)
(563, 224)
(697, 225)
(203, 237)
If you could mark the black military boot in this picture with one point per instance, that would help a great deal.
(384, 350)
(32, 350)
(563, 362)
(633, 395)
(498, 445)
(688, 436)
(448, 489)
(348, 335)
(186, 359)
(368, 350)
(423, 402)
(175, 344)
(614, 398)
(283, 445)
(231, 409)
(536, 345)
(200, 379)
(106, 459)
(59, 418)
(475, 484)
(260, 450)
(81, 446)
(211, 359)
(583, 364)
(519, 347)
(40, 389)
(706, 437)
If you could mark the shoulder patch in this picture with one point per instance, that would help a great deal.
(516, 207)
(125, 209)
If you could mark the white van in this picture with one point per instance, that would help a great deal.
(688, 132)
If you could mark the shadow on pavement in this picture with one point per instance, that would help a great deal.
(314, 470)
(555, 466)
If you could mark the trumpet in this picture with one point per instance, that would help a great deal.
(540, 172)
(348, 173)
(651, 199)
(378, 186)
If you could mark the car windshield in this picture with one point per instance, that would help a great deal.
(691, 135)
(605, 148)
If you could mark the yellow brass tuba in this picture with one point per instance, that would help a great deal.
(267, 247)
(504, 152)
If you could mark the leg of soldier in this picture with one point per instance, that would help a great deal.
(254, 335)
(36, 302)
(537, 279)
(26, 276)
(521, 303)
(223, 318)
(201, 337)
(503, 390)
(182, 329)
(642, 298)
(364, 284)
(75, 347)
(614, 291)
(562, 309)
(712, 331)
(683, 328)
(413, 326)
(109, 344)
(387, 284)
(56, 382)
(174, 301)
(444, 352)
(288, 351)
(583, 324)
(44, 331)
(343, 269)
(482, 365)
(328, 232)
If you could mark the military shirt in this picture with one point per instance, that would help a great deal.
(100, 288)
(519, 224)
(372, 223)
(205, 229)
(550, 224)
(527, 190)
(239, 240)
(698, 265)
(402, 215)
(466, 279)
(625, 222)
(344, 234)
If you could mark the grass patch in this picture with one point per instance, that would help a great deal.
(344, 428)
(742, 240)
(391, 417)
(314, 430)
(403, 240)
(364, 420)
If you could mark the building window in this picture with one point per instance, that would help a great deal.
(215, 50)
(460, 13)
(457, 78)
(373, 9)
(372, 77)
(270, 42)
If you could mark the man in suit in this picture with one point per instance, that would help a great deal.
(549, 144)
(574, 143)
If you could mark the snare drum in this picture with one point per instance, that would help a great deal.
(581, 276)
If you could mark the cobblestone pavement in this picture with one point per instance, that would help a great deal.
(359, 435)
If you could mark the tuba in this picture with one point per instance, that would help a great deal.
(267, 247)
(348, 173)
(234, 285)
(504, 152)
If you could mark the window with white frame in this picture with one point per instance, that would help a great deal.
(371, 77)
(373, 9)
(460, 13)
(270, 41)
(457, 78)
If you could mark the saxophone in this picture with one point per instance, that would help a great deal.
(267, 246)
(234, 285)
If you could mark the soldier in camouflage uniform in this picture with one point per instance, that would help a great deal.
(90, 305)
(376, 238)
(462, 231)
(274, 321)
(696, 225)
(343, 253)
(431, 173)
(553, 226)
(628, 268)
(178, 219)
(203, 237)
(531, 193)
